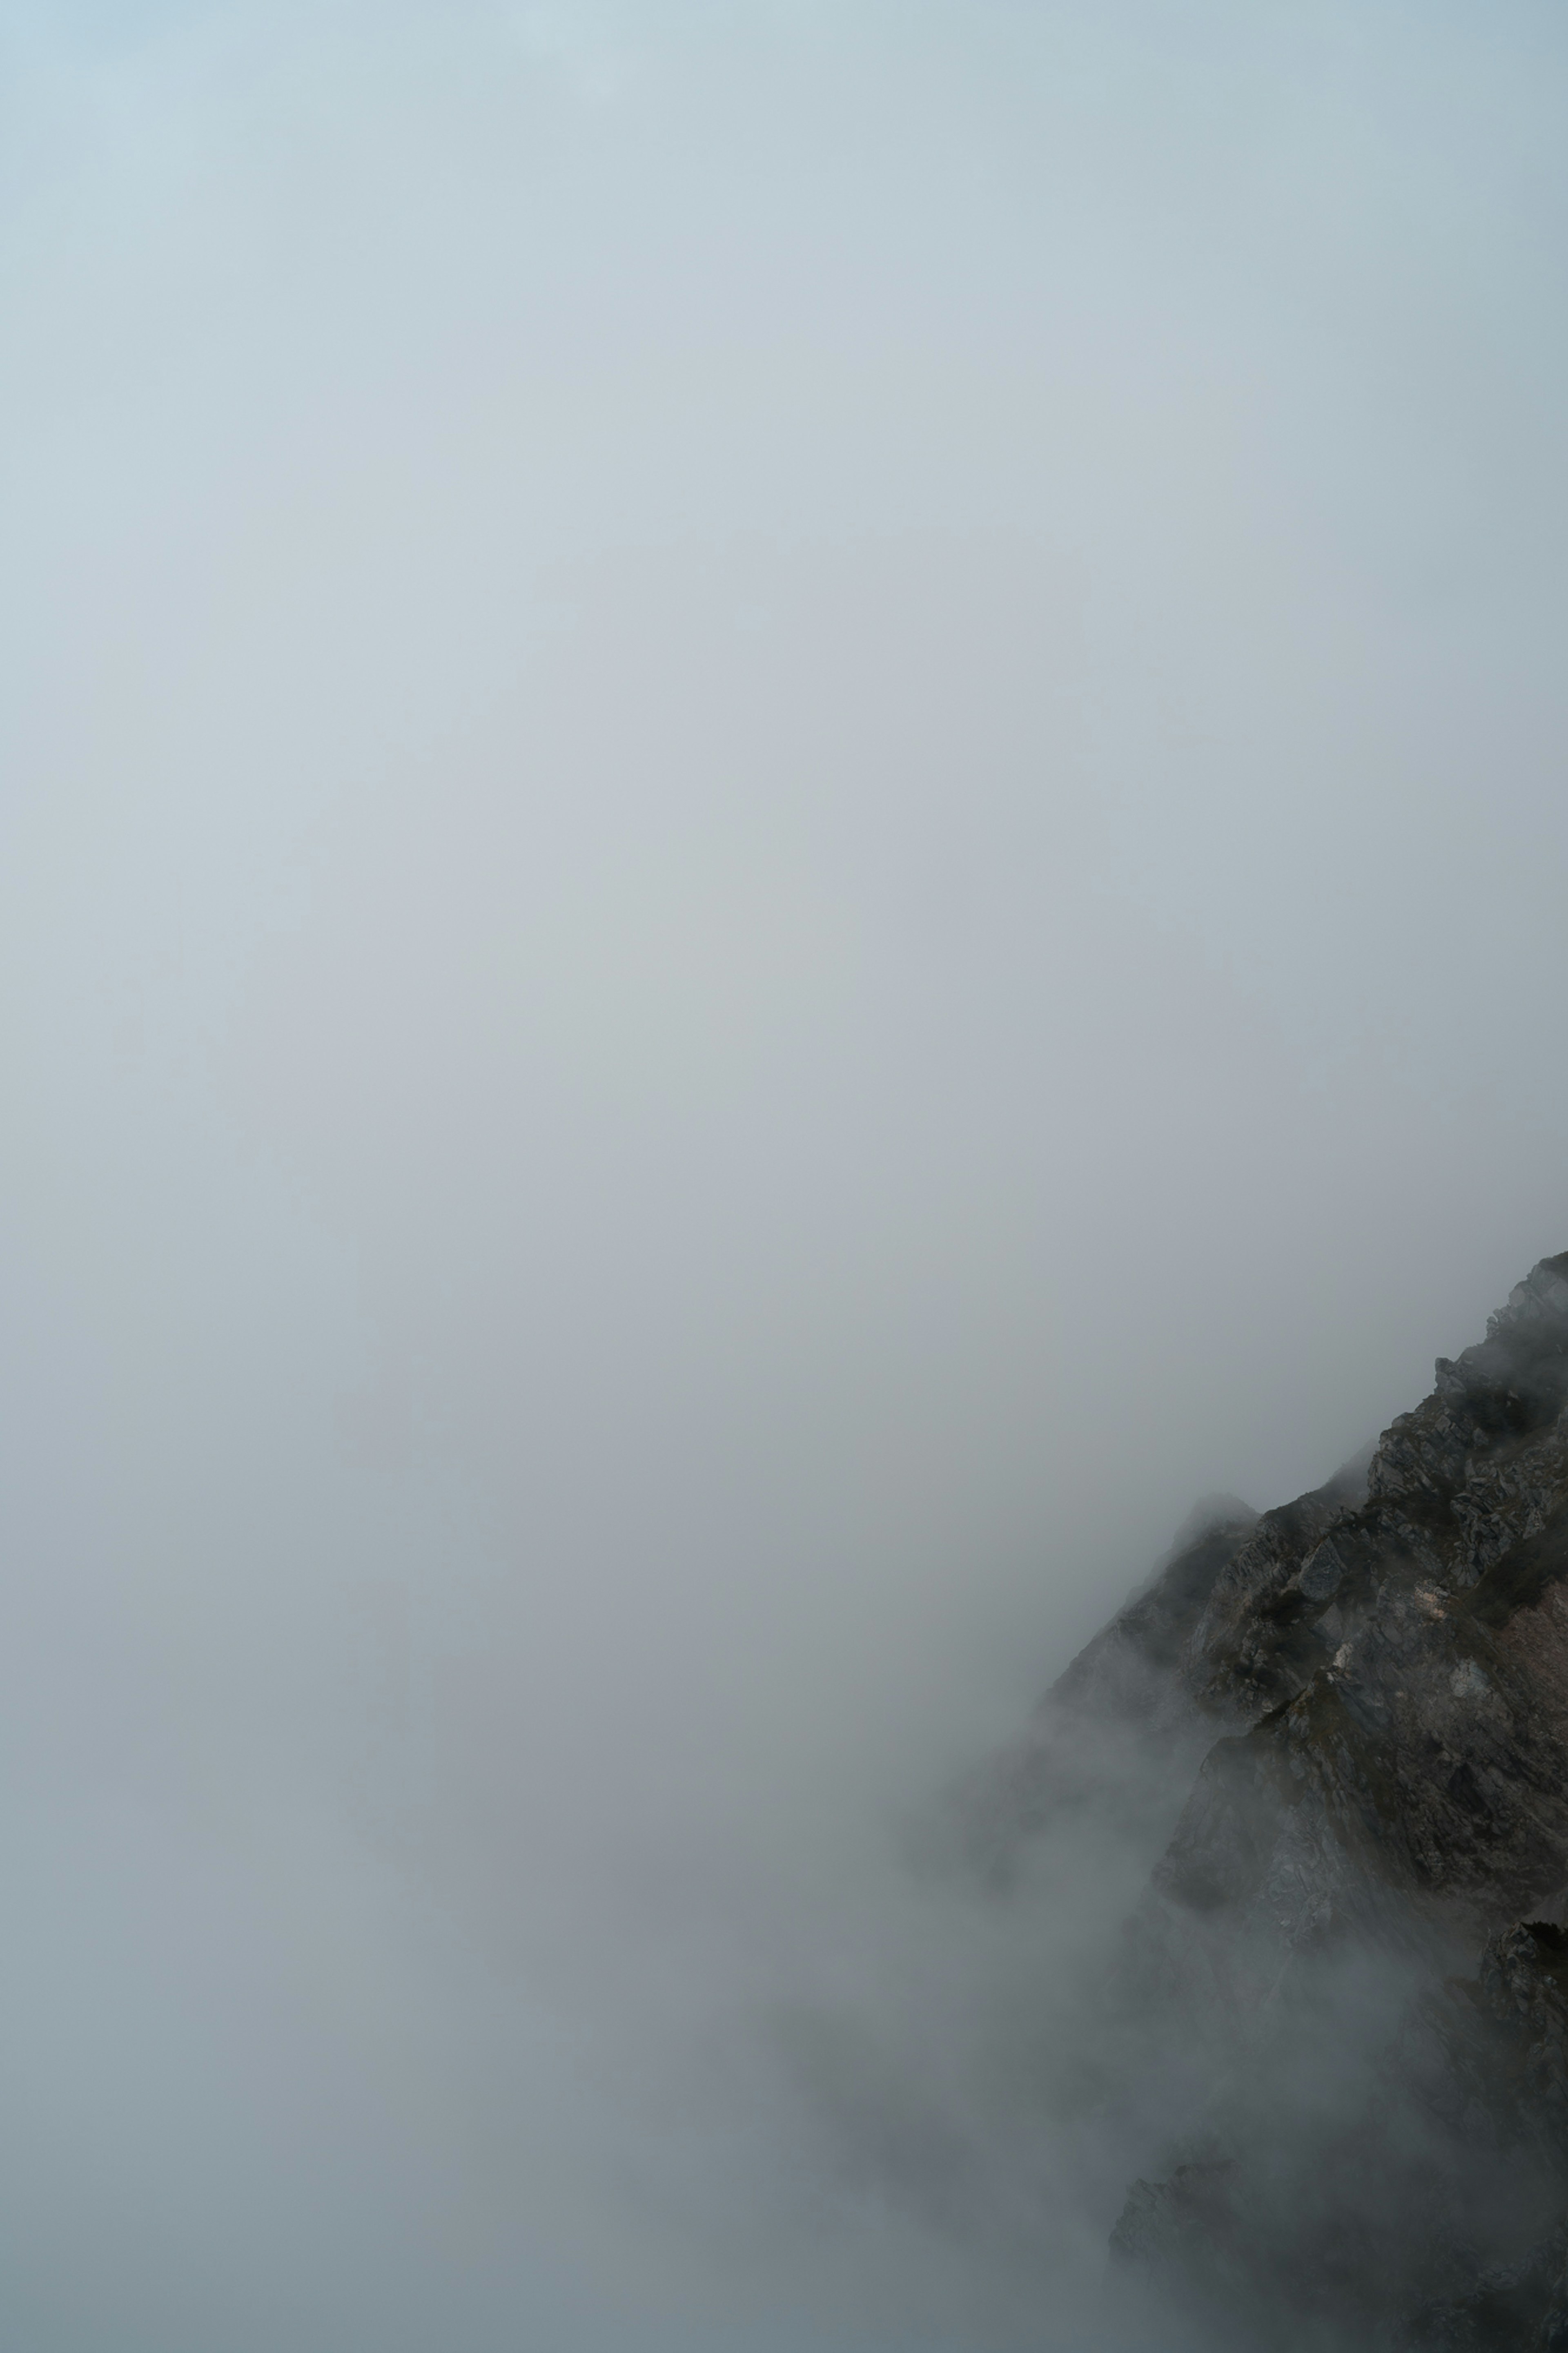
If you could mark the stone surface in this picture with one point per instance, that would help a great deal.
(1342, 1727)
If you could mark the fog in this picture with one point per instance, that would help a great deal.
(783, 834)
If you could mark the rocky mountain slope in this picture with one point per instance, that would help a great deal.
(1341, 1729)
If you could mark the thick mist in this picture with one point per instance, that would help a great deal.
(783, 834)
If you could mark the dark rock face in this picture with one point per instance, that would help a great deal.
(1402, 1665)
(1120, 1733)
(1358, 1913)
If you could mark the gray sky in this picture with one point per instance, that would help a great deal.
(784, 833)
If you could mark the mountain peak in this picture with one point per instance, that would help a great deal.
(1340, 1729)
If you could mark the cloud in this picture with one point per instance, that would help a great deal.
(783, 838)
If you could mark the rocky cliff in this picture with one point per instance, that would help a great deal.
(1341, 1731)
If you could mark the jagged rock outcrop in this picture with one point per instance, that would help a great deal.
(1404, 1664)
(1358, 1913)
(1119, 1734)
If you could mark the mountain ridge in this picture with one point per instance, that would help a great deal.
(1340, 1729)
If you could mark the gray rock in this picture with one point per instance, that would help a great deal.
(1365, 1888)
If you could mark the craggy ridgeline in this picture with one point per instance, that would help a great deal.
(1350, 1972)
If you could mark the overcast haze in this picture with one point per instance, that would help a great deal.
(785, 833)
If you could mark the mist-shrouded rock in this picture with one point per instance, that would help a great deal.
(1108, 1736)
(1339, 2013)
